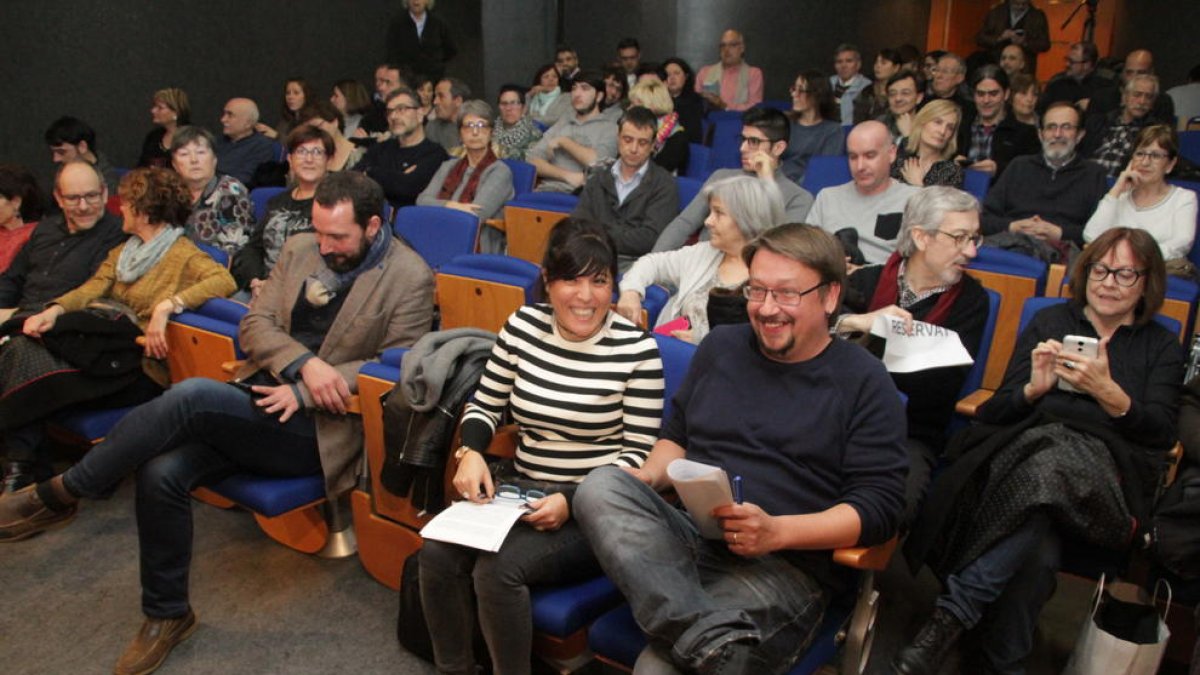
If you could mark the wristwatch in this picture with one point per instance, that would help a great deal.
(461, 452)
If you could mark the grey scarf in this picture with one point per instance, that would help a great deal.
(138, 256)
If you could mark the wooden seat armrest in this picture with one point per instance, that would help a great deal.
(970, 403)
(866, 557)
(231, 367)
(353, 406)
(497, 223)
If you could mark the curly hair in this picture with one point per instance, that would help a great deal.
(158, 194)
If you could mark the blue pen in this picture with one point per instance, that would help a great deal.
(737, 489)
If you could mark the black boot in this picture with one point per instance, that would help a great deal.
(929, 648)
(16, 476)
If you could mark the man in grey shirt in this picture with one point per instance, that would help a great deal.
(872, 203)
(574, 143)
(764, 139)
(448, 97)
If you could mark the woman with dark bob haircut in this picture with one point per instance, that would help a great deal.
(1071, 450)
(156, 272)
(681, 84)
(585, 388)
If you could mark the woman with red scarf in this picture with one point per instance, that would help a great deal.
(924, 280)
(477, 181)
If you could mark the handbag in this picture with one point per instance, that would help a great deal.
(1122, 637)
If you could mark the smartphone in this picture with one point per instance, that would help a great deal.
(1082, 346)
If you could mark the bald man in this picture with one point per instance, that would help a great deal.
(1138, 62)
(730, 84)
(242, 149)
(872, 203)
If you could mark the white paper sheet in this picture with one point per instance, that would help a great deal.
(928, 346)
(702, 488)
(482, 526)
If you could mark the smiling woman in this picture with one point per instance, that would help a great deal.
(585, 388)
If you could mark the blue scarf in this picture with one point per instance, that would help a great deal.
(324, 284)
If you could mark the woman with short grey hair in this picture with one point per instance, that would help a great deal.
(477, 183)
(706, 277)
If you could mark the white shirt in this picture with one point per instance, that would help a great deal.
(625, 187)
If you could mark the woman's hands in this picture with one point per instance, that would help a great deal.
(1128, 180)
(1043, 369)
(914, 171)
(465, 207)
(156, 330)
(42, 322)
(549, 513)
(266, 130)
(1092, 377)
(473, 481)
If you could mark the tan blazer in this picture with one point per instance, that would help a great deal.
(388, 306)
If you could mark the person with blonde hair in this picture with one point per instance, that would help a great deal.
(670, 142)
(169, 111)
(926, 157)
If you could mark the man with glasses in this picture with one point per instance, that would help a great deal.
(1051, 195)
(990, 136)
(1079, 82)
(865, 213)
(947, 83)
(404, 164)
(730, 84)
(575, 142)
(64, 251)
(1112, 135)
(633, 197)
(448, 97)
(764, 139)
(924, 280)
(813, 427)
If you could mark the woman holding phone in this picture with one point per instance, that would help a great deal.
(1052, 467)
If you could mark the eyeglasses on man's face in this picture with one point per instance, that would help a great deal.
(784, 297)
(963, 238)
(89, 197)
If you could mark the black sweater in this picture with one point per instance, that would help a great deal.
(1066, 197)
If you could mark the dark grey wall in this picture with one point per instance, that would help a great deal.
(782, 38)
(518, 38)
(102, 60)
(1161, 27)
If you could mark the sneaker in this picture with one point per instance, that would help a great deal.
(154, 643)
(23, 514)
(929, 648)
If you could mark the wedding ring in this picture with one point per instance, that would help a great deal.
(466, 495)
(735, 534)
(1068, 365)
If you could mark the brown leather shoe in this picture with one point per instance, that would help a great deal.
(22, 515)
(154, 643)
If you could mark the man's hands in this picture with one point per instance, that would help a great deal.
(42, 322)
(749, 530)
(1036, 228)
(326, 385)
(278, 399)
(861, 323)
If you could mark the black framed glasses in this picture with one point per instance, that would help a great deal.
(92, 198)
(1125, 276)
(752, 141)
(514, 494)
(961, 240)
(784, 297)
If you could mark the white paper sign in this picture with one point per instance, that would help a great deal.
(702, 488)
(928, 346)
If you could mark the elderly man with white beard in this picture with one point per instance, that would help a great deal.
(1048, 196)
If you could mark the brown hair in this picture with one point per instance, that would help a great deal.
(305, 133)
(808, 245)
(1162, 134)
(158, 194)
(1148, 255)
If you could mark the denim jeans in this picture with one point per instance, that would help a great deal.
(501, 584)
(691, 596)
(1008, 586)
(196, 433)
